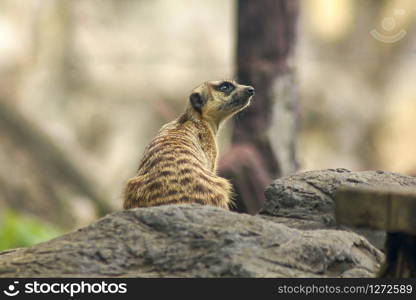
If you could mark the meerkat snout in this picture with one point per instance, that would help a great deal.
(239, 99)
(250, 91)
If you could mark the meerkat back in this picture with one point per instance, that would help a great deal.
(179, 164)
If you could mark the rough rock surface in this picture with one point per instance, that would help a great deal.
(306, 200)
(194, 241)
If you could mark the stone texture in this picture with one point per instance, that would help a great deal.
(294, 235)
(194, 241)
(306, 200)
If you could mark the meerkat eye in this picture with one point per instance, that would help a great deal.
(226, 87)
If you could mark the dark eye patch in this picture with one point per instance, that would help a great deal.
(226, 87)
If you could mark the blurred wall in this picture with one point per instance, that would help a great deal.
(357, 62)
(100, 77)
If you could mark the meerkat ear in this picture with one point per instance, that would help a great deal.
(197, 101)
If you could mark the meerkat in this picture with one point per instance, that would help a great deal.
(179, 164)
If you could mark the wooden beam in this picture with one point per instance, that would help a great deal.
(388, 208)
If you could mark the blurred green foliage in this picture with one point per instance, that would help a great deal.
(17, 230)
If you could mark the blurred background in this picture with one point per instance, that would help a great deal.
(85, 85)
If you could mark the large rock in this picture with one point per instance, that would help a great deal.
(194, 241)
(306, 200)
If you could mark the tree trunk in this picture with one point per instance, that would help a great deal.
(263, 141)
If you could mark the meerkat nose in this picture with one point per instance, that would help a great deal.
(250, 90)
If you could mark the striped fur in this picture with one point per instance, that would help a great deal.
(179, 164)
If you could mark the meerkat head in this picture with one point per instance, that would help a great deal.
(215, 101)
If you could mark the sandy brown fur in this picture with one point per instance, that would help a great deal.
(179, 164)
